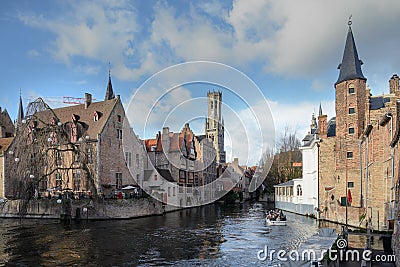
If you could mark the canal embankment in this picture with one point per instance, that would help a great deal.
(91, 209)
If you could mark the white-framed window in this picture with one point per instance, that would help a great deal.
(128, 158)
(118, 180)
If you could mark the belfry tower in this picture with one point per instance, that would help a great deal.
(214, 127)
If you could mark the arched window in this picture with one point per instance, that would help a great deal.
(299, 190)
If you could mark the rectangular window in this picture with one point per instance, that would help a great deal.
(76, 156)
(173, 191)
(128, 158)
(59, 158)
(351, 130)
(343, 201)
(119, 118)
(118, 180)
(169, 191)
(182, 176)
(137, 160)
(352, 111)
(191, 177)
(77, 180)
(89, 155)
(349, 154)
(58, 180)
(155, 177)
(350, 184)
(119, 134)
(180, 188)
(351, 90)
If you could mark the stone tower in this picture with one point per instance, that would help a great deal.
(351, 96)
(214, 127)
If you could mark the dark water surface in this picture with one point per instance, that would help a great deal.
(214, 235)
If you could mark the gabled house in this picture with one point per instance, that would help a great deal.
(76, 148)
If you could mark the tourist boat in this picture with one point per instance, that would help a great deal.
(269, 222)
(275, 217)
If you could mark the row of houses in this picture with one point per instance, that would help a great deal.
(351, 162)
(90, 150)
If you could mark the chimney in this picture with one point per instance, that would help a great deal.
(165, 130)
(394, 84)
(88, 100)
(322, 126)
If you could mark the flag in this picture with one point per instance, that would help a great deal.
(349, 198)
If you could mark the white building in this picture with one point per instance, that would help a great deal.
(301, 195)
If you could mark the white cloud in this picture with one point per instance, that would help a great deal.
(298, 116)
(88, 69)
(292, 39)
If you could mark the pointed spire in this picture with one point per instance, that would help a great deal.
(313, 125)
(320, 110)
(20, 115)
(109, 92)
(350, 68)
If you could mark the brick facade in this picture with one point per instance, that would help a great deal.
(358, 158)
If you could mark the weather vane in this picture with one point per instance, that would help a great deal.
(349, 23)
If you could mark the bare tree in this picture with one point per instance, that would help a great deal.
(47, 155)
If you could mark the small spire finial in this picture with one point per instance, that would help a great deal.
(350, 22)
(109, 69)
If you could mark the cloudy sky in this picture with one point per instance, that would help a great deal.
(289, 49)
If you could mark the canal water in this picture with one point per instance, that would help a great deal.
(213, 235)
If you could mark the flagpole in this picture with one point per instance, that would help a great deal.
(347, 200)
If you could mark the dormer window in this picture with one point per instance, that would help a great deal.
(96, 116)
(75, 117)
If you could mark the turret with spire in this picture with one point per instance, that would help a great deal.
(350, 91)
(350, 68)
(109, 92)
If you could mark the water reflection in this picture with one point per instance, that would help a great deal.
(213, 235)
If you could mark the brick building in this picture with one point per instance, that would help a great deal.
(77, 148)
(7, 128)
(358, 166)
(7, 131)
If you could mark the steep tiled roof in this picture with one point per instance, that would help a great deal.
(378, 102)
(166, 174)
(5, 143)
(86, 116)
(149, 143)
(331, 127)
(350, 68)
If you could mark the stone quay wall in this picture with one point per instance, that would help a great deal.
(84, 209)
